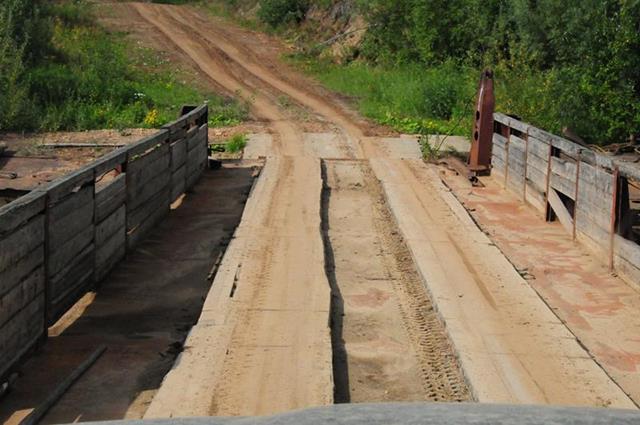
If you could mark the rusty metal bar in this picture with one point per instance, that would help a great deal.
(614, 205)
(526, 166)
(575, 200)
(482, 137)
(506, 156)
(546, 193)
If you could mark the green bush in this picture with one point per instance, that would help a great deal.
(61, 71)
(571, 63)
(280, 12)
(236, 143)
(408, 97)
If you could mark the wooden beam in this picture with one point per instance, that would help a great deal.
(564, 217)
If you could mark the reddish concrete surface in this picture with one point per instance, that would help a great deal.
(600, 309)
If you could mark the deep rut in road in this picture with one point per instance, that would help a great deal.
(389, 344)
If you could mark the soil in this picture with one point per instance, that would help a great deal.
(388, 341)
(34, 164)
(330, 291)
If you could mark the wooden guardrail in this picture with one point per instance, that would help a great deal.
(564, 180)
(58, 242)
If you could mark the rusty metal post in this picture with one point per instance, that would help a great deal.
(482, 137)
(614, 209)
(576, 196)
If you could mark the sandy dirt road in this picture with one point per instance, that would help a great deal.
(263, 342)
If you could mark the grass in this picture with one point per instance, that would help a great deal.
(233, 145)
(95, 79)
(237, 143)
(409, 98)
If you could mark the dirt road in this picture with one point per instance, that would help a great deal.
(297, 265)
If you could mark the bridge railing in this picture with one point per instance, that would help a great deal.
(58, 242)
(584, 190)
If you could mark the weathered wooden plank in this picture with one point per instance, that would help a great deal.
(146, 144)
(600, 179)
(64, 255)
(110, 161)
(517, 142)
(516, 164)
(110, 226)
(178, 182)
(567, 169)
(594, 213)
(538, 148)
(20, 211)
(104, 266)
(539, 164)
(517, 180)
(566, 146)
(21, 269)
(21, 242)
(153, 169)
(627, 169)
(67, 227)
(537, 179)
(560, 210)
(21, 334)
(595, 198)
(629, 271)
(628, 250)
(516, 150)
(178, 154)
(138, 216)
(110, 252)
(586, 225)
(137, 235)
(69, 184)
(138, 196)
(564, 186)
(145, 160)
(193, 178)
(21, 295)
(66, 289)
(70, 204)
(597, 160)
(76, 274)
(501, 118)
(535, 198)
(511, 122)
(195, 138)
(499, 140)
(195, 158)
(110, 197)
(498, 152)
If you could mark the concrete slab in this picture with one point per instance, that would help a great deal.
(325, 145)
(259, 145)
(459, 144)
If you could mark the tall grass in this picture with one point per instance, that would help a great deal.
(409, 97)
(87, 78)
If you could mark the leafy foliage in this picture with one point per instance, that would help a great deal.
(61, 71)
(571, 63)
(279, 12)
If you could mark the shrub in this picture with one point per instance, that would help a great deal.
(279, 12)
(236, 143)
